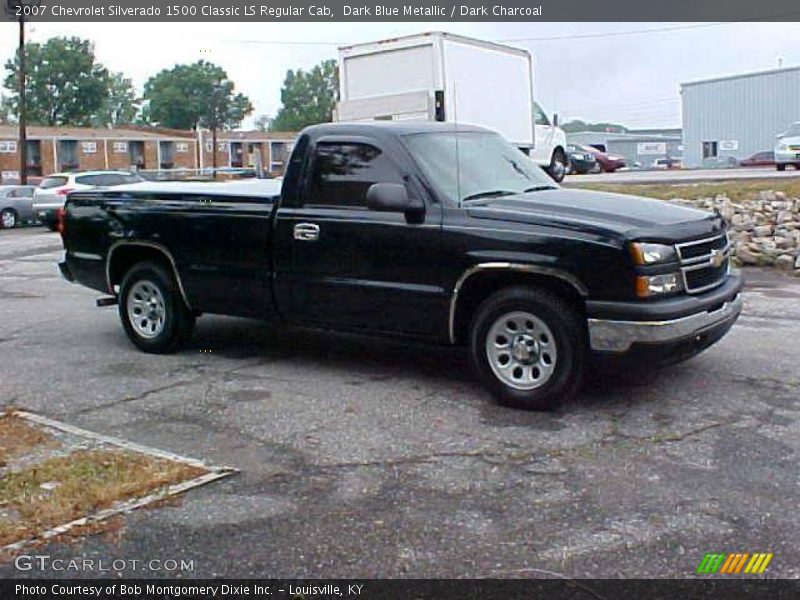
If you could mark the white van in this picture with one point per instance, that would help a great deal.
(444, 77)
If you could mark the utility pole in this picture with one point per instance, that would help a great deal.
(17, 8)
(22, 117)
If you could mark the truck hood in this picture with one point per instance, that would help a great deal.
(793, 140)
(613, 215)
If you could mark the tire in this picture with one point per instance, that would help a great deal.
(559, 350)
(780, 167)
(149, 286)
(558, 166)
(9, 218)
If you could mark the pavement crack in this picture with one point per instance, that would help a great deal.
(136, 398)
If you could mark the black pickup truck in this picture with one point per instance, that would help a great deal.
(416, 229)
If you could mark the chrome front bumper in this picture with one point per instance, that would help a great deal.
(619, 336)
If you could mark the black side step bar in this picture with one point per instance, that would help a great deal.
(108, 301)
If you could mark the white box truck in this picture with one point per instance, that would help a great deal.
(445, 77)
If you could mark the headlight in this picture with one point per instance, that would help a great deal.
(648, 254)
(655, 285)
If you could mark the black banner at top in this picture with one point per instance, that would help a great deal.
(401, 10)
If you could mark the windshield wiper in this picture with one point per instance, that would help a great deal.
(539, 188)
(489, 194)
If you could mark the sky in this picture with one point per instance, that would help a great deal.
(628, 73)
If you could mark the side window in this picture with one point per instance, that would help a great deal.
(539, 118)
(89, 180)
(343, 172)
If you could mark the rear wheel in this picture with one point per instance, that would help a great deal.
(528, 347)
(9, 218)
(780, 167)
(558, 165)
(152, 310)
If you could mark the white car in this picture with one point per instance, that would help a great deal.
(52, 191)
(787, 150)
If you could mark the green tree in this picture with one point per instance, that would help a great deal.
(262, 122)
(7, 116)
(65, 84)
(308, 97)
(120, 105)
(577, 125)
(181, 98)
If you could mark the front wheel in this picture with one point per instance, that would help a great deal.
(558, 166)
(153, 313)
(780, 167)
(9, 218)
(529, 348)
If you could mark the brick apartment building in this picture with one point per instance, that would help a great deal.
(54, 149)
(241, 148)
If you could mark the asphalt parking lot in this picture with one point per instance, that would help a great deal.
(375, 458)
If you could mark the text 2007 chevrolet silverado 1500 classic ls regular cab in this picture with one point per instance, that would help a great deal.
(420, 229)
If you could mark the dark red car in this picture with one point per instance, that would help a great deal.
(759, 159)
(607, 162)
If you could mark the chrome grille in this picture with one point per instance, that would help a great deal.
(704, 263)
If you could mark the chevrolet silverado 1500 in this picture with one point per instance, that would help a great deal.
(429, 230)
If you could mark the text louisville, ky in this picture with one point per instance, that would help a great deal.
(278, 12)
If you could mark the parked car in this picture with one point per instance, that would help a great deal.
(666, 163)
(787, 150)
(580, 161)
(15, 205)
(53, 190)
(605, 162)
(759, 159)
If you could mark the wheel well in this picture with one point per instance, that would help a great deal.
(559, 149)
(482, 285)
(125, 257)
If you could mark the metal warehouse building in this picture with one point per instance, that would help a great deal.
(730, 118)
(639, 147)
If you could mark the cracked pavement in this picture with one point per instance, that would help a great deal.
(377, 458)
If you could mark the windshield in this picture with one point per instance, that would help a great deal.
(469, 165)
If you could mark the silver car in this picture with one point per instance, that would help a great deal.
(15, 205)
(52, 191)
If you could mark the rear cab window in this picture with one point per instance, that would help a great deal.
(52, 182)
(342, 172)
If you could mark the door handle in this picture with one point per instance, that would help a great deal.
(306, 232)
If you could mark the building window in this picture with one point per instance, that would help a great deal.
(120, 147)
(167, 150)
(68, 155)
(8, 147)
(222, 146)
(709, 150)
(181, 147)
(89, 147)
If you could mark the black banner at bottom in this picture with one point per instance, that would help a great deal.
(411, 589)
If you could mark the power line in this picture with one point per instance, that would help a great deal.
(536, 39)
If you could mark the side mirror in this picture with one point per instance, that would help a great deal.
(389, 197)
(555, 119)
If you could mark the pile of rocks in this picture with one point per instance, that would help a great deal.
(764, 230)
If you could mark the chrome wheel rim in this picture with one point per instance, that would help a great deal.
(559, 167)
(521, 350)
(146, 309)
(9, 219)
